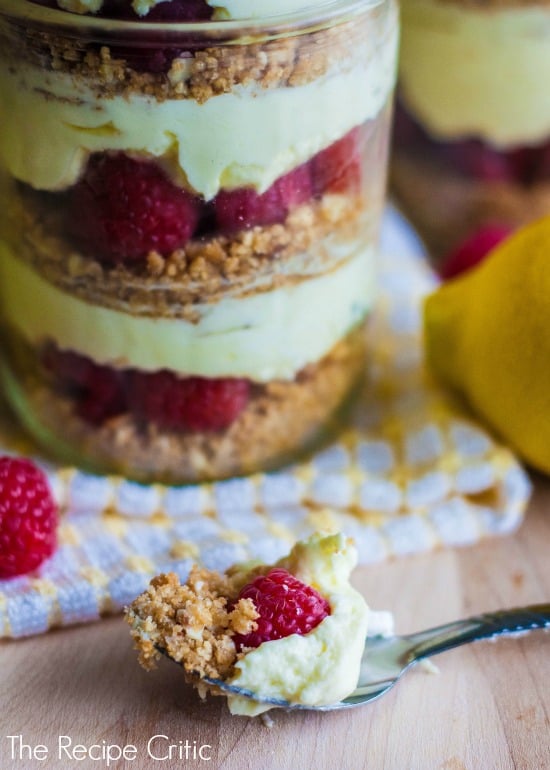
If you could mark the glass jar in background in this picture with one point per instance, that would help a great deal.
(188, 240)
(472, 129)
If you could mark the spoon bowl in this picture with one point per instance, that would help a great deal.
(386, 658)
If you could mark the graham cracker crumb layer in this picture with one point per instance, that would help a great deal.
(282, 419)
(202, 69)
(446, 207)
(205, 270)
(193, 623)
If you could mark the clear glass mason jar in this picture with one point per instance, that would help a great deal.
(188, 240)
(472, 129)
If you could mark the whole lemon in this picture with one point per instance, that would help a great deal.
(487, 335)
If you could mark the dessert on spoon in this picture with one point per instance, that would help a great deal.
(293, 635)
(293, 631)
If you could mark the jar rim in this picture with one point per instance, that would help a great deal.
(315, 17)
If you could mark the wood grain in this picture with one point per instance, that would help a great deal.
(487, 709)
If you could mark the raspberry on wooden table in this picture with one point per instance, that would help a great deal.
(28, 517)
(285, 605)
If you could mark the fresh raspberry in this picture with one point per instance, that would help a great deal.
(243, 208)
(187, 403)
(337, 169)
(295, 187)
(477, 160)
(178, 403)
(98, 391)
(473, 250)
(180, 11)
(473, 158)
(123, 208)
(103, 396)
(146, 57)
(540, 170)
(407, 133)
(175, 10)
(285, 605)
(524, 164)
(28, 517)
(157, 57)
(69, 368)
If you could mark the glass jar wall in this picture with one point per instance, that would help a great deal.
(472, 130)
(187, 250)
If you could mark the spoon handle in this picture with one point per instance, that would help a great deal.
(485, 626)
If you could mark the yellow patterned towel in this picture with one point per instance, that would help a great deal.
(409, 473)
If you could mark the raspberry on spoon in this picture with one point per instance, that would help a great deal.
(285, 605)
(28, 517)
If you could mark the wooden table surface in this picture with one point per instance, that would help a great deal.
(487, 709)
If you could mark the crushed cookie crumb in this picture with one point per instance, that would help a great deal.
(196, 74)
(192, 622)
(282, 419)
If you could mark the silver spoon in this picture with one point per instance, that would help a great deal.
(385, 659)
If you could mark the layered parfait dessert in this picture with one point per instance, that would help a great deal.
(472, 131)
(192, 196)
(293, 632)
